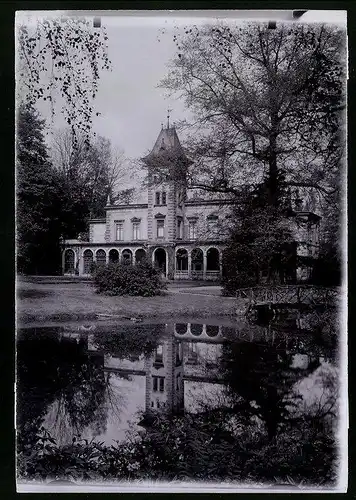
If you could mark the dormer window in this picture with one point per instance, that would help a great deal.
(161, 198)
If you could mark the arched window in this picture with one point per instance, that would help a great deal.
(69, 259)
(182, 259)
(100, 257)
(113, 256)
(212, 260)
(126, 256)
(88, 261)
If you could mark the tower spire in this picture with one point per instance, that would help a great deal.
(168, 116)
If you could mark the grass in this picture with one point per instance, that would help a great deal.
(66, 301)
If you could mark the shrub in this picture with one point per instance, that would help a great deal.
(126, 279)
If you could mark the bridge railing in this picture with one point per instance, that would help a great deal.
(289, 294)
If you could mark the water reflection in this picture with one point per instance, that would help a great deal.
(99, 381)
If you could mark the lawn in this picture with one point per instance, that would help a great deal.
(59, 300)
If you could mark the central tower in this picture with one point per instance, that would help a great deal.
(167, 167)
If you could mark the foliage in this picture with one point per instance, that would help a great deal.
(264, 101)
(272, 423)
(89, 173)
(57, 373)
(260, 382)
(128, 341)
(126, 279)
(327, 270)
(60, 59)
(56, 195)
(260, 246)
(38, 198)
(193, 447)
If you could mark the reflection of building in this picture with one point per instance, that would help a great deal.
(164, 377)
(191, 352)
(183, 235)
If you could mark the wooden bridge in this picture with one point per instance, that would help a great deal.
(292, 296)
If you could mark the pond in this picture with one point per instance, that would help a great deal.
(183, 401)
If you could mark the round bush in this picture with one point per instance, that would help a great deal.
(125, 279)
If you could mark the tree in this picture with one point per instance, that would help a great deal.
(59, 60)
(260, 246)
(89, 173)
(265, 101)
(38, 197)
(260, 382)
(59, 374)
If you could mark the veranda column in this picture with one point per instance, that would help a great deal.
(81, 262)
(220, 263)
(204, 264)
(133, 257)
(189, 264)
(77, 260)
(63, 261)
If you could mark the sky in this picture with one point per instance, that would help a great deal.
(132, 106)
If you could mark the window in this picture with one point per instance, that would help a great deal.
(158, 198)
(159, 354)
(120, 231)
(155, 384)
(136, 230)
(158, 383)
(179, 229)
(164, 198)
(212, 224)
(160, 229)
(192, 230)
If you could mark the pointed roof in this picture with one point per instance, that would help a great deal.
(167, 145)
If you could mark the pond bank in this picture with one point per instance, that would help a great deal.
(63, 301)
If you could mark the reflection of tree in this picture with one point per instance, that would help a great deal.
(129, 341)
(59, 372)
(260, 381)
(36, 383)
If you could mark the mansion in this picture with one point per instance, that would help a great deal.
(183, 235)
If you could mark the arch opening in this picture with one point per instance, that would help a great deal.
(212, 330)
(182, 259)
(88, 258)
(197, 259)
(126, 256)
(69, 261)
(213, 259)
(196, 329)
(159, 260)
(181, 328)
(113, 256)
(140, 255)
(100, 257)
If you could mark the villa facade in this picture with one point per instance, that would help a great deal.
(183, 236)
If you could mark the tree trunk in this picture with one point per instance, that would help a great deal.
(273, 171)
(273, 181)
